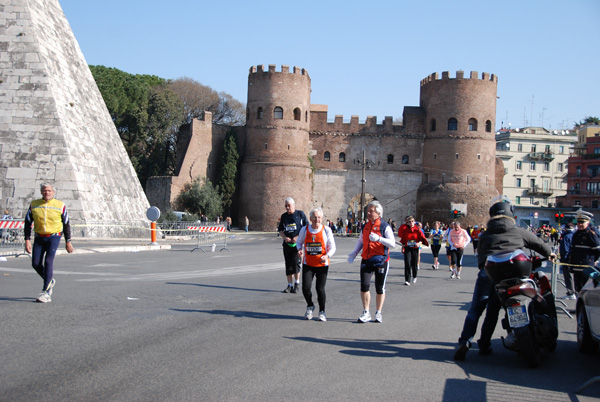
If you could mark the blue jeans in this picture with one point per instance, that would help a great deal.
(481, 294)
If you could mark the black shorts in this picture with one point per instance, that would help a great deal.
(293, 262)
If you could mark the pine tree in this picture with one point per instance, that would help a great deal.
(228, 170)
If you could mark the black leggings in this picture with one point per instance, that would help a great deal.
(308, 273)
(411, 260)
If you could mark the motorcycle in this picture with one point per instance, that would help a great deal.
(527, 299)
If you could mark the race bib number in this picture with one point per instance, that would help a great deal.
(411, 243)
(313, 248)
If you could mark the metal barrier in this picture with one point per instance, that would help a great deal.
(12, 238)
(210, 235)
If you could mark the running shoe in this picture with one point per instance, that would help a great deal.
(414, 280)
(51, 286)
(322, 316)
(570, 297)
(44, 297)
(309, 312)
(407, 283)
(458, 276)
(378, 317)
(294, 289)
(452, 275)
(288, 289)
(365, 317)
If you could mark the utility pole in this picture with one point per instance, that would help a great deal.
(362, 191)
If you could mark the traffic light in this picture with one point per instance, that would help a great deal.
(559, 216)
(456, 213)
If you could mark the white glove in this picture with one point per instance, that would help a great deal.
(374, 237)
(351, 258)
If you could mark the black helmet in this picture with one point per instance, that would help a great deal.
(502, 206)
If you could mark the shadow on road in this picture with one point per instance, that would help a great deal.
(225, 287)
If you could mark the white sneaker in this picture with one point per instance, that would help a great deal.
(406, 283)
(309, 312)
(365, 317)
(458, 276)
(322, 316)
(570, 297)
(51, 286)
(44, 297)
(414, 280)
(378, 317)
(452, 275)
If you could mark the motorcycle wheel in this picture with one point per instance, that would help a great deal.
(527, 347)
(585, 343)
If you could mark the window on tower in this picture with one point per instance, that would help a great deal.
(433, 125)
(326, 156)
(452, 124)
(405, 159)
(472, 125)
(297, 114)
(259, 113)
(488, 126)
(278, 113)
(390, 159)
(342, 157)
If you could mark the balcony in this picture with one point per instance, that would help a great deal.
(539, 191)
(584, 193)
(541, 156)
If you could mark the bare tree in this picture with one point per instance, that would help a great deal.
(198, 98)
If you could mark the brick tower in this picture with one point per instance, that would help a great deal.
(459, 150)
(275, 164)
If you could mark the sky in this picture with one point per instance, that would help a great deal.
(363, 58)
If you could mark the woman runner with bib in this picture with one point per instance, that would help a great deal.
(315, 245)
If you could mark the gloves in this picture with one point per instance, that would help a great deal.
(351, 258)
(374, 237)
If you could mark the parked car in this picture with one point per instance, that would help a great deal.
(588, 313)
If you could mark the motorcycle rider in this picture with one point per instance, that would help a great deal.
(501, 234)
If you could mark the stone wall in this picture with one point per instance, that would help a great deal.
(54, 125)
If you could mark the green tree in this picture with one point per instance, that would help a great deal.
(228, 169)
(200, 197)
(165, 116)
(589, 120)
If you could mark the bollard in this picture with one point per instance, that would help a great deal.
(153, 233)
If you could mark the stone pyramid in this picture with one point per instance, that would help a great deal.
(54, 125)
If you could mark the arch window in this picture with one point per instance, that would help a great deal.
(390, 159)
(433, 125)
(452, 124)
(326, 156)
(259, 113)
(405, 159)
(342, 157)
(488, 126)
(297, 114)
(472, 125)
(278, 113)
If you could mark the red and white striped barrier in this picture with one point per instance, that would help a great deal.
(12, 224)
(208, 228)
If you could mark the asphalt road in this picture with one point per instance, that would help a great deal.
(175, 325)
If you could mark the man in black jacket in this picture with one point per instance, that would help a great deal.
(500, 235)
(585, 248)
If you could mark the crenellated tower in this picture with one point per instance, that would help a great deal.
(459, 150)
(275, 163)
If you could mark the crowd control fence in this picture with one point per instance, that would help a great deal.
(209, 236)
